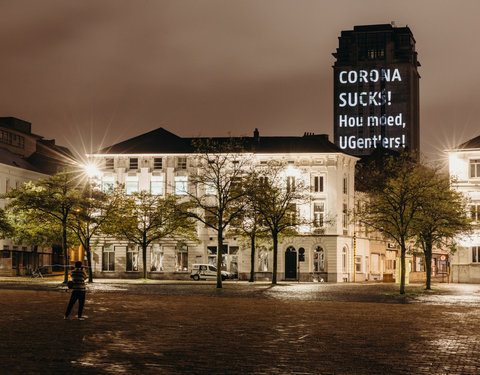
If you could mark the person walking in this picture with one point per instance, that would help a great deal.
(79, 290)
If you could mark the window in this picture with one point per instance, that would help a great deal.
(345, 216)
(181, 185)
(210, 189)
(262, 260)
(375, 263)
(290, 184)
(210, 217)
(156, 185)
(476, 254)
(344, 259)
(318, 184)
(358, 263)
(181, 258)
(318, 259)
(318, 214)
(157, 163)
(109, 163)
(474, 168)
(7, 185)
(108, 258)
(107, 184)
(292, 213)
(132, 258)
(345, 185)
(156, 258)
(133, 163)
(182, 163)
(475, 211)
(131, 186)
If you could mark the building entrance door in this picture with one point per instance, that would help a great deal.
(290, 263)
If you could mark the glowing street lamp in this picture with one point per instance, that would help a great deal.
(91, 170)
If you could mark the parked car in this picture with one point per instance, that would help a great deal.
(207, 272)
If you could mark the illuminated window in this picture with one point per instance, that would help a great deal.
(262, 260)
(131, 186)
(108, 258)
(358, 263)
(132, 258)
(318, 214)
(474, 168)
(290, 184)
(476, 254)
(156, 185)
(133, 163)
(475, 211)
(318, 259)
(181, 258)
(318, 184)
(181, 185)
(156, 258)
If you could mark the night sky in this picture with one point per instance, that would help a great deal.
(87, 72)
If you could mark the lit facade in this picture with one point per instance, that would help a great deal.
(464, 165)
(161, 163)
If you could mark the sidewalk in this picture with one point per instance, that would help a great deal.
(272, 332)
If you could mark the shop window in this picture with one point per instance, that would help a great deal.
(318, 259)
(108, 258)
(181, 258)
(156, 258)
(132, 258)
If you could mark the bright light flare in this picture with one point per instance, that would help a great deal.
(91, 170)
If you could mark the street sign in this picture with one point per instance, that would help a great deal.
(443, 258)
(442, 262)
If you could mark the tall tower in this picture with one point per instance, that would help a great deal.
(376, 90)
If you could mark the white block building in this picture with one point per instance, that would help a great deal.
(464, 165)
(160, 162)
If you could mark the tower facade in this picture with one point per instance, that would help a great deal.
(376, 90)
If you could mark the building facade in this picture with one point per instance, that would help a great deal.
(25, 157)
(376, 90)
(161, 163)
(464, 165)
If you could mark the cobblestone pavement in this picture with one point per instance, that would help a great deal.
(180, 328)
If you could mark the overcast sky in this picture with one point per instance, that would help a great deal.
(87, 71)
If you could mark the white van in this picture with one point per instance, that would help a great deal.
(206, 272)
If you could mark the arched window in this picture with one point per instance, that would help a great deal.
(318, 259)
(344, 259)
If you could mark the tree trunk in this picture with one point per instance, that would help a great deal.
(275, 257)
(144, 259)
(402, 268)
(428, 264)
(219, 257)
(252, 258)
(65, 251)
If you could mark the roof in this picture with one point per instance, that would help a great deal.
(472, 143)
(9, 158)
(161, 141)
